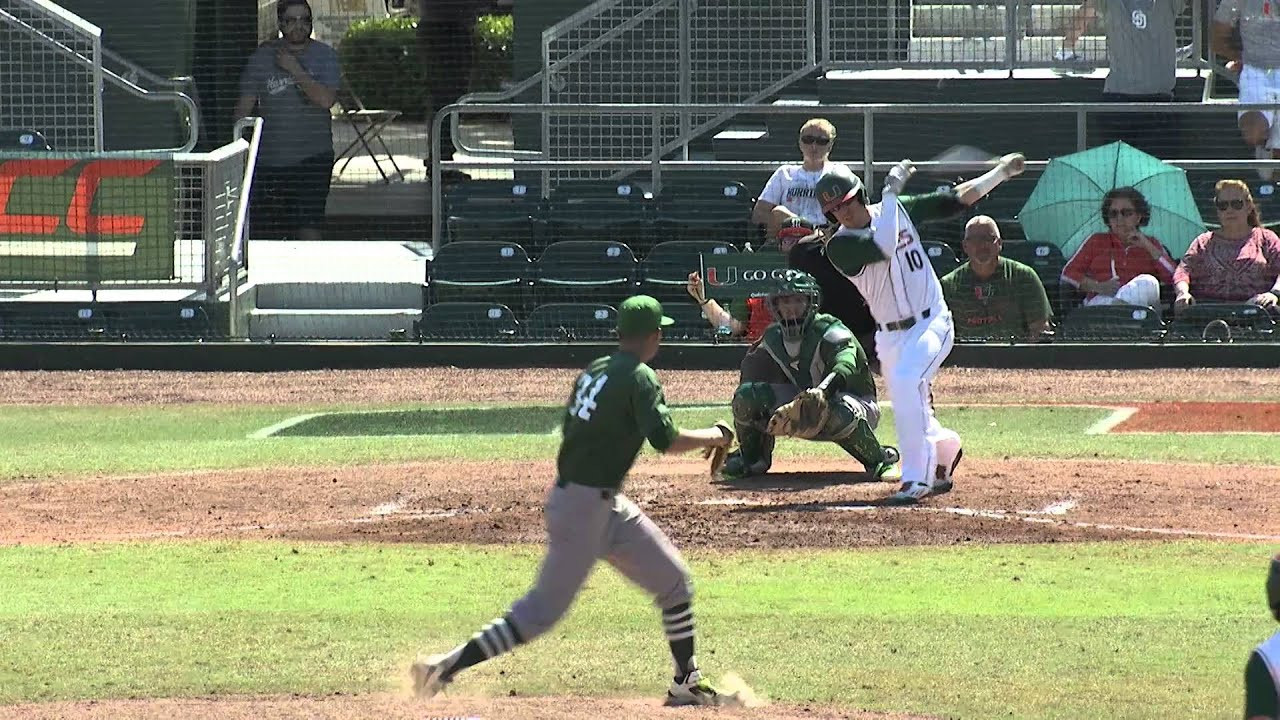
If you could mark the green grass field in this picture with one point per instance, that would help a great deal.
(37, 442)
(1097, 630)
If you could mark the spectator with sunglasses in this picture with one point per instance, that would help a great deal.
(1124, 264)
(1238, 262)
(792, 185)
(293, 81)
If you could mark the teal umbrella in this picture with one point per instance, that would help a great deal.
(1065, 208)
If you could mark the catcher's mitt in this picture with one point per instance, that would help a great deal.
(803, 417)
(718, 455)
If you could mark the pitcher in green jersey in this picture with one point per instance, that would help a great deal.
(615, 405)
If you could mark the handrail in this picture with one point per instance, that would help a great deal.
(242, 213)
(193, 132)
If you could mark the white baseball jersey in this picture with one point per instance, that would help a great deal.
(794, 188)
(900, 287)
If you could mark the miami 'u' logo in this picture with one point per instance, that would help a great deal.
(730, 276)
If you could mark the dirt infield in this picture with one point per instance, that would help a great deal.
(1256, 417)
(803, 504)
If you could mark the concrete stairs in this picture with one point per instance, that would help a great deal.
(330, 290)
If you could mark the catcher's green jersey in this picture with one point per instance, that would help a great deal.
(827, 346)
(616, 404)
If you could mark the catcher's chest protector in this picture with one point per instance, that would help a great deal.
(807, 367)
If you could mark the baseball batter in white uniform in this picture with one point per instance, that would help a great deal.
(878, 248)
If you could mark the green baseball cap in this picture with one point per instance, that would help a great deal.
(641, 315)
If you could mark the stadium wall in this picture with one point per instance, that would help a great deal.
(318, 356)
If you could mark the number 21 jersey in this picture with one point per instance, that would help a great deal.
(615, 405)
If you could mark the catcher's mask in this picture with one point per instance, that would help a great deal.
(794, 282)
(837, 188)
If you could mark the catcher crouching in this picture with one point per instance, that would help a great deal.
(829, 393)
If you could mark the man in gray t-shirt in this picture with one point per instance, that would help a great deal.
(1142, 51)
(293, 82)
(1256, 57)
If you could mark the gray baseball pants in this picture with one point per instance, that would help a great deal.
(586, 524)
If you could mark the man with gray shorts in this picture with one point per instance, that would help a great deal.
(616, 404)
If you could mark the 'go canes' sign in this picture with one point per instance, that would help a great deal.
(86, 219)
(742, 275)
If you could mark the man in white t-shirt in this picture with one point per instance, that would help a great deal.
(792, 185)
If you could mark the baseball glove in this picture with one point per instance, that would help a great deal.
(718, 455)
(803, 417)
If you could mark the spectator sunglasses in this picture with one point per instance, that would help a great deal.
(1223, 205)
(815, 140)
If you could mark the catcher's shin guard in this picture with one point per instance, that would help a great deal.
(847, 427)
(754, 455)
(753, 403)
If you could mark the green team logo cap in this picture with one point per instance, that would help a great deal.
(641, 315)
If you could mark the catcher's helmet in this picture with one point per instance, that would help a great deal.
(795, 282)
(837, 188)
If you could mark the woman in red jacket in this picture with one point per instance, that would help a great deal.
(1123, 265)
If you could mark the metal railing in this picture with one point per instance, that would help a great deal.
(52, 74)
(652, 114)
(585, 54)
(53, 77)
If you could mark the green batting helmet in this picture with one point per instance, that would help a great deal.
(837, 188)
(794, 282)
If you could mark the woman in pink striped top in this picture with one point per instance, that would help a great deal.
(1239, 262)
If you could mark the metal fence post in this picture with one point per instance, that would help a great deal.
(685, 50)
(868, 145)
(655, 171)
(1081, 129)
(437, 193)
(1010, 41)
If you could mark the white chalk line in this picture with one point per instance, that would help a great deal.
(1106, 424)
(1050, 515)
(285, 424)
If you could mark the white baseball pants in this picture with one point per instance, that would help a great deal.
(1142, 290)
(909, 359)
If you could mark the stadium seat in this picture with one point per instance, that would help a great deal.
(599, 210)
(1111, 322)
(1244, 321)
(704, 210)
(492, 211)
(23, 141)
(490, 271)
(691, 324)
(941, 256)
(579, 270)
(572, 321)
(1047, 260)
(468, 321)
(664, 271)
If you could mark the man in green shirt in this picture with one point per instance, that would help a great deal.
(991, 297)
(1262, 673)
(616, 404)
